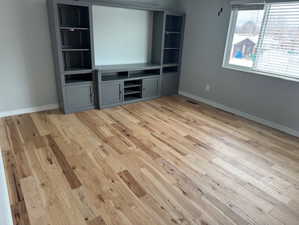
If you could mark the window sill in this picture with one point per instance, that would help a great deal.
(243, 69)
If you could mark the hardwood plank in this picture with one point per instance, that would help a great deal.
(97, 221)
(132, 183)
(33, 200)
(4, 136)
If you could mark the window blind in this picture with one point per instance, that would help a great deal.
(278, 45)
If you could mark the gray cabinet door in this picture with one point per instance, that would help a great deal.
(79, 97)
(150, 88)
(170, 84)
(111, 93)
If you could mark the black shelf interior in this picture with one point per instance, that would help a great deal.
(172, 40)
(73, 16)
(144, 73)
(171, 56)
(132, 90)
(77, 60)
(107, 76)
(172, 69)
(174, 23)
(131, 83)
(78, 78)
(77, 39)
(132, 97)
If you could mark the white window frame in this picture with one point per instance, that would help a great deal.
(228, 47)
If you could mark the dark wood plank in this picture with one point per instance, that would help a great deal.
(20, 214)
(97, 221)
(132, 183)
(71, 177)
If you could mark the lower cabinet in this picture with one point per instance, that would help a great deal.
(111, 93)
(170, 84)
(118, 92)
(79, 97)
(150, 88)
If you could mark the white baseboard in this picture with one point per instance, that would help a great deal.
(28, 110)
(242, 114)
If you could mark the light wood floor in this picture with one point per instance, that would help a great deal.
(165, 161)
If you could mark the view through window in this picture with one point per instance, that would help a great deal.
(245, 38)
(265, 40)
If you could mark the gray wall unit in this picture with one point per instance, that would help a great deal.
(272, 99)
(71, 24)
(26, 57)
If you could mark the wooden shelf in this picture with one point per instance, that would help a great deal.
(170, 65)
(75, 49)
(74, 28)
(172, 32)
(143, 75)
(132, 92)
(128, 67)
(132, 98)
(171, 49)
(132, 85)
(77, 71)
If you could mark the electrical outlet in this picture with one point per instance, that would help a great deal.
(208, 88)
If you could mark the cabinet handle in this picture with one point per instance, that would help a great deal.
(120, 93)
(91, 94)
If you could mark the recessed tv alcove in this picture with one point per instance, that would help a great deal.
(122, 36)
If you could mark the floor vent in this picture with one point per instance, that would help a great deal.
(192, 102)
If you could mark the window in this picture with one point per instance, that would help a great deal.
(264, 38)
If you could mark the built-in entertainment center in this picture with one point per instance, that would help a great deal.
(109, 54)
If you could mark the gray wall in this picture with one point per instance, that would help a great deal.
(268, 98)
(27, 78)
(27, 71)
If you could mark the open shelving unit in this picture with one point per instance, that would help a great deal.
(75, 37)
(71, 29)
(132, 90)
(174, 26)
